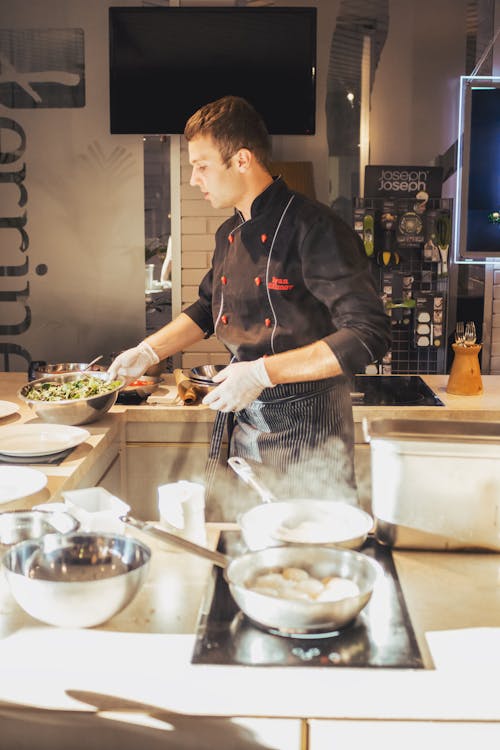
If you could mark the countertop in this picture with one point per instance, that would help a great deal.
(90, 459)
(143, 654)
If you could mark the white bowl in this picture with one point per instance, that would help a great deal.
(96, 509)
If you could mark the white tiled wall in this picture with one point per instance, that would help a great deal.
(199, 222)
(495, 326)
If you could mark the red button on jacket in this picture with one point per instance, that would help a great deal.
(224, 319)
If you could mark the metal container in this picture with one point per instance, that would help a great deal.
(74, 411)
(141, 387)
(76, 580)
(18, 525)
(40, 369)
(435, 483)
(203, 374)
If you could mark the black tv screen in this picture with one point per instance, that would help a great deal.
(165, 63)
(478, 186)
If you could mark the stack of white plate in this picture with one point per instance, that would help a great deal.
(28, 440)
(32, 443)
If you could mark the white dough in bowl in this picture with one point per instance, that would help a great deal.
(313, 532)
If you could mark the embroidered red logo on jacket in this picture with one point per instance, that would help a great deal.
(281, 285)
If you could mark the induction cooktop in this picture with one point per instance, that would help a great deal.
(392, 390)
(381, 636)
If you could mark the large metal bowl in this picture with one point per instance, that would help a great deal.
(76, 580)
(18, 525)
(75, 411)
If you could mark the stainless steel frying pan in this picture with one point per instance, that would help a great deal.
(302, 521)
(286, 616)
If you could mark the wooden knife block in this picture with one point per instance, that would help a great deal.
(465, 374)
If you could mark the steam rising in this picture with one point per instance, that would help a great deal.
(322, 472)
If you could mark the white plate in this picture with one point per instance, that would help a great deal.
(7, 408)
(40, 439)
(17, 482)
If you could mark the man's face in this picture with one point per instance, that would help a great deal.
(219, 183)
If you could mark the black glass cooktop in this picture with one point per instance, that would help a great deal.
(381, 635)
(392, 390)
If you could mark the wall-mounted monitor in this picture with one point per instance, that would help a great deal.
(477, 206)
(165, 63)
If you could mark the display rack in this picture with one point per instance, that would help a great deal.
(408, 246)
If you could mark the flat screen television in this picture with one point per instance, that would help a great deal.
(477, 219)
(165, 63)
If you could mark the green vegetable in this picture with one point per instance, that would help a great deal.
(84, 387)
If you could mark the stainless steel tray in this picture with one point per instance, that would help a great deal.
(435, 483)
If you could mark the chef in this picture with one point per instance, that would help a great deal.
(291, 296)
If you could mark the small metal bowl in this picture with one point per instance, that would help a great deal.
(142, 387)
(76, 580)
(18, 525)
(203, 374)
(74, 411)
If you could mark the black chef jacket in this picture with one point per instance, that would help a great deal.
(294, 273)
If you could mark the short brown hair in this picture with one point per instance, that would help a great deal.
(232, 123)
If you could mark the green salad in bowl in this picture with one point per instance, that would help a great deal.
(71, 398)
(82, 387)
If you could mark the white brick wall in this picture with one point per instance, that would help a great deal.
(199, 221)
(495, 326)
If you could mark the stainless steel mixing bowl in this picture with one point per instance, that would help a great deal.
(203, 374)
(18, 525)
(74, 411)
(40, 369)
(76, 580)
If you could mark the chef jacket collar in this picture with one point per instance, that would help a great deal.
(266, 200)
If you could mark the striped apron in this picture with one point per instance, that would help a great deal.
(299, 440)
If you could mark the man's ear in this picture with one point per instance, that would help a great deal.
(244, 158)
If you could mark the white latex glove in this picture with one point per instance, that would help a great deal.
(240, 384)
(132, 363)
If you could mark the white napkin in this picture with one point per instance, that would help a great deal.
(465, 649)
(96, 509)
(181, 506)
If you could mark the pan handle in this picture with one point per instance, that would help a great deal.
(245, 472)
(178, 541)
